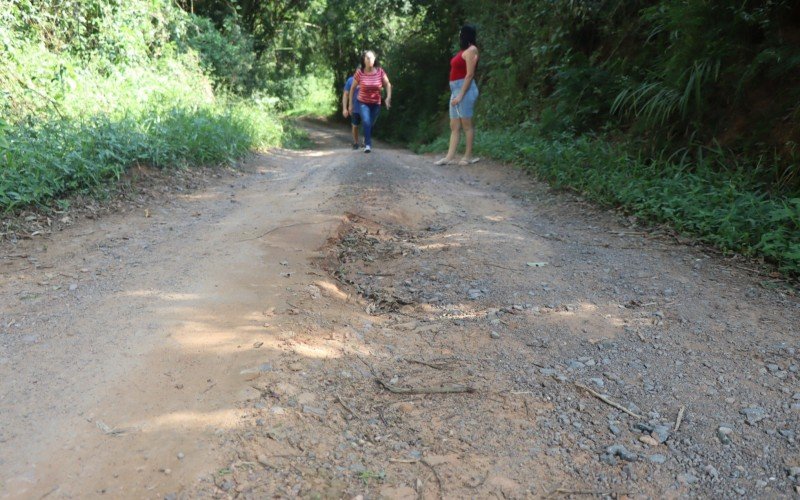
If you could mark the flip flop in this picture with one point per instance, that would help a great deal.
(443, 161)
(469, 162)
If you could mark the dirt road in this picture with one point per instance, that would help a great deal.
(333, 324)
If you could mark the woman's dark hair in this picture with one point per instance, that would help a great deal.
(468, 36)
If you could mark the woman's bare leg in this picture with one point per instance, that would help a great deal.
(455, 133)
(469, 134)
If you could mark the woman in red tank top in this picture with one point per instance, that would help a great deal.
(463, 94)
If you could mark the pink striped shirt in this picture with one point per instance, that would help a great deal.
(370, 85)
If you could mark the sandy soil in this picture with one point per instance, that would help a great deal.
(331, 324)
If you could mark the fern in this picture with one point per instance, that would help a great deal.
(653, 102)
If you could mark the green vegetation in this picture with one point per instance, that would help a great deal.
(86, 95)
(314, 97)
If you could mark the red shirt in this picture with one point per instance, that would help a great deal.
(458, 67)
(370, 85)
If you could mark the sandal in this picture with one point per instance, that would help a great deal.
(469, 162)
(443, 161)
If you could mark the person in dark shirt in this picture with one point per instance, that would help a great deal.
(355, 117)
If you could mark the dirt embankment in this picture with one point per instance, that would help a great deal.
(335, 324)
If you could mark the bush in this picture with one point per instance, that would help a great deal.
(126, 89)
(227, 55)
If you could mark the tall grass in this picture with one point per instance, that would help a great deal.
(74, 122)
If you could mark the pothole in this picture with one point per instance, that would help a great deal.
(365, 256)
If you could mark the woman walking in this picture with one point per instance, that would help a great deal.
(370, 79)
(463, 94)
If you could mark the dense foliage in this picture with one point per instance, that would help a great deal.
(665, 74)
(90, 87)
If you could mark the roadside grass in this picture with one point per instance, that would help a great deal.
(73, 127)
(729, 210)
(43, 161)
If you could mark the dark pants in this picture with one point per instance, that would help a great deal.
(369, 115)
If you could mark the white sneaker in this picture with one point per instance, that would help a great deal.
(368, 149)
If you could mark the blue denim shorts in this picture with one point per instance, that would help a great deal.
(355, 119)
(466, 107)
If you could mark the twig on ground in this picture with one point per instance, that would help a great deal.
(444, 389)
(109, 431)
(487, 263)
(534, 363)
(436, 474)
(607, 401)
(371, 369)
(553, 492)
(50, 492)
(679, 420)
(743, 268)
(341, 401)
(608, 245)
(382, 416)
(403, 461)
(244, 464)
(435, 366)
(563, 491)
(628, 233)
(545, 236)
(497, 266)
(401, 401)
(286, 226)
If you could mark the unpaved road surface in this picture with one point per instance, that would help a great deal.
(333, 324)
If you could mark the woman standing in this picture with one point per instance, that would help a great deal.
(463, 94)
(370, 80)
